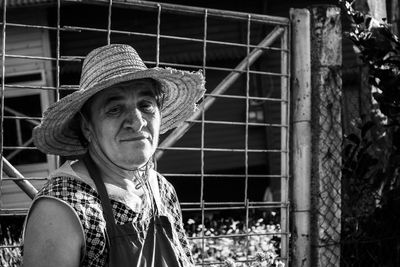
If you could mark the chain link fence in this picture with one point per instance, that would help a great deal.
(326, 135)
(326, 182)
(351, 230)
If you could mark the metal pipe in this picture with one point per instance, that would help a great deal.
(3, 76)
(166, 64)
(67, 28)
(285, 118)
(301, 135)
(22, 115)
(176, 134)
(246, 138)
(16, 152)
(27, 187)
(110, 2)
(261, 176)
(25, 178)
(188, 10)
(158, 35)
(205, 30)
(251, 204)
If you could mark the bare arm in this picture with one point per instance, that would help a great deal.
(53, 236)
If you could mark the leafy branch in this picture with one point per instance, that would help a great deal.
(371, 158)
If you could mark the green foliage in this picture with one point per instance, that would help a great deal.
(371, 167)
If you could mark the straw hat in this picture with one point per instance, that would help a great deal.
(102, 68)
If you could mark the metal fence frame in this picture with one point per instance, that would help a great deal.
(281, 31)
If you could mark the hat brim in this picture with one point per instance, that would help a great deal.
(182, 89)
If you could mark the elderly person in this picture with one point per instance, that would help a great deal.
(106, 205)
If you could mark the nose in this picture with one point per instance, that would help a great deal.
(135, 120)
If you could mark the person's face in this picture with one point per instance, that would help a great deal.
(125, 119)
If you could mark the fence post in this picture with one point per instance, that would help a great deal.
(394, 18)
(301, 136)
(326, 61)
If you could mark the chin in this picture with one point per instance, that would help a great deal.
(135, 164)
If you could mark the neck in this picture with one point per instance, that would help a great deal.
(112, 173)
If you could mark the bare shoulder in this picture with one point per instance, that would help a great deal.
(53, 235)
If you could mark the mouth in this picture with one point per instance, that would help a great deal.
(135, 137)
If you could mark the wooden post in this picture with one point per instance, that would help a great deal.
(301, 136)
(364, 85)
(326, 61)
(394, 17)
(377, 9)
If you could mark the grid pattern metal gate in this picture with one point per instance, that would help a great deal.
(228, 162)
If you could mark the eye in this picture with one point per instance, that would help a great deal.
(114, 110)
(148, 106)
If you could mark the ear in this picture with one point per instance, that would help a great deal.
(85, 127)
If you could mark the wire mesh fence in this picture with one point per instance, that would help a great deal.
(327, 165)
(326, 119)
(228, 162)
(326, 190)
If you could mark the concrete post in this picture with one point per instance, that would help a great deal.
(326, 61)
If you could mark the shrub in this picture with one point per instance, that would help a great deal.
(10, 252)
(229, 243)
(371, 167)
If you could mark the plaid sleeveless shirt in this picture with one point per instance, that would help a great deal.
(82, 197)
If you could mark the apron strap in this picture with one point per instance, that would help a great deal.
(104, 199)
(154, 187)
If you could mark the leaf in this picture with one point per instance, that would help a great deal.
(353, 138)
(366, 127)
